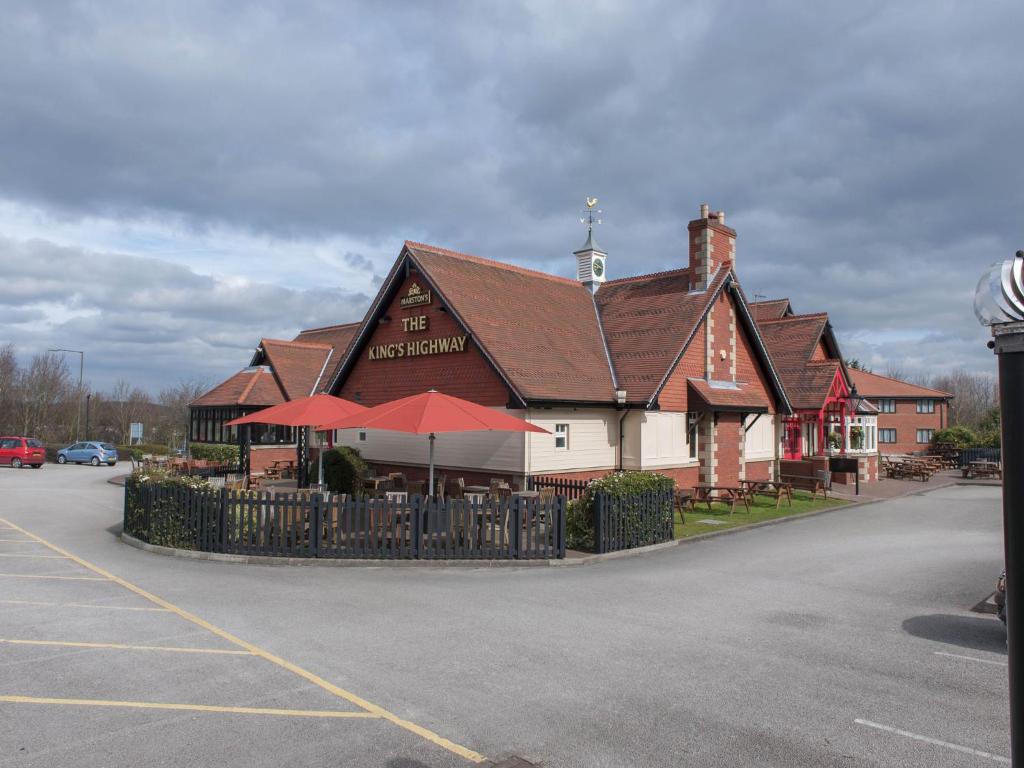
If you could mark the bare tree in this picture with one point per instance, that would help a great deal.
(895, 371)
(40, 391)
(127, 404)
(8, 384)
(174, 423)
(974, 396)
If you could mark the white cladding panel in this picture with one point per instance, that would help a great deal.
(632, 426)
(759, 442)
(498, 451)
(663, 440)
(592, 440)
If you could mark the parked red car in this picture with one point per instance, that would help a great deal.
(22, 452)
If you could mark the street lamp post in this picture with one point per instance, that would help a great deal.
(81, 371)
(999, 304)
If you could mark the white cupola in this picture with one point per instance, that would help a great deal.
(590, 259)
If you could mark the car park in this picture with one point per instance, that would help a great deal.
(22, 452)
(88, 452)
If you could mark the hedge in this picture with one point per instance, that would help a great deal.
(224, 452)
(579, 521)
(167, 523)
(344, 469)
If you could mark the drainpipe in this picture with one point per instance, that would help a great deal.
(625, 413)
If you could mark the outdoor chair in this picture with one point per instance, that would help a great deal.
(439, 484)
(458, 490)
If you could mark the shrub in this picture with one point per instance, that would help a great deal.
(221, 452)
(344, 470)
(579, 522)
(124, 451)
(856, 438)
(960, 436)
(166, 521)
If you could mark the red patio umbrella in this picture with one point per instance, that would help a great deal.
(304, 412)
(429, 413)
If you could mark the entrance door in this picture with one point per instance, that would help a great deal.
(792, 446)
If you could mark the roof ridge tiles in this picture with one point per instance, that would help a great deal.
(490, 262)
(791, 318)
(334, 327)
(649, 276)
(292, 343)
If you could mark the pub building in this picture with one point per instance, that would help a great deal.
(673, 371)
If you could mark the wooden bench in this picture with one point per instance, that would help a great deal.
(815, 485)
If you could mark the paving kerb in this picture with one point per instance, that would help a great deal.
(567, 562)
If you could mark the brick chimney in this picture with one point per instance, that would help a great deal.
(711, 243)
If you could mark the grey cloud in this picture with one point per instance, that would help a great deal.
(868, 154)
(149, 320)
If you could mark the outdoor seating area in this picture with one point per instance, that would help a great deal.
(704, 494)
(912, 467)
(982, 469)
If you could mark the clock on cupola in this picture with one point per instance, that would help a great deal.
(590, 260)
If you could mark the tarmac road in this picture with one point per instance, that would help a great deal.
(838, 640)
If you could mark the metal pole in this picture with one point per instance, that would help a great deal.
(1009, 347)
(81, 372)
(88, 397)
(430, 471)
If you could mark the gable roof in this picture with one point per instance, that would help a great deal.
(550, 339)
(336, 336)
(297, 365)
(726, 396)
(791, 342)
(874, 385)
(773, 309)
(254, 386)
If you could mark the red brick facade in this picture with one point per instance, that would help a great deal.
(906, 421)
(466, 374)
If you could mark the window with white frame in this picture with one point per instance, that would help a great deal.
(887, 405)
(691, 434)
(561, 437)
(886, 435)
(925, 406)
(925, 435)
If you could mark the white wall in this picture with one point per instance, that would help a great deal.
(663, 440)
(593, 440)
(759, 441)
(497, 451)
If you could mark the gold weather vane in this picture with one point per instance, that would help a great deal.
(591, 216)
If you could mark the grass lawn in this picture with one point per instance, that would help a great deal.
(763, 508)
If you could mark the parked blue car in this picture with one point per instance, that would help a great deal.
(92, 452)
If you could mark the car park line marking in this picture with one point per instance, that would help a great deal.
(936, 742)
(191, 707)
(123, 647)
(83, 605)
(19, 541)
(44, 576)
(971, 658)
(341, 693)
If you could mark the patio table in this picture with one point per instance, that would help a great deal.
(773, 488)
(727, 494)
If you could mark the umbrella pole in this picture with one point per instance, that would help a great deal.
(430, 486)
(320, 458)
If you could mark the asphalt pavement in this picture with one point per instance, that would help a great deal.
(844, 639)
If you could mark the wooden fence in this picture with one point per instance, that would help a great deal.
(335, 526)
(625, 522)
(967, 455)
(571, 489)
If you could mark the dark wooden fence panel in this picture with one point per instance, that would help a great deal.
(967, 455)
(626, 522)
(333, 526)
(571, 489)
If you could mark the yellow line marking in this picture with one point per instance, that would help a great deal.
(19, 541)
(82, 605)
(122, 647)
(341, 693)
(38, 557)
(40, 576)
(188, 707)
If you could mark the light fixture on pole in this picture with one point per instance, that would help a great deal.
(999, 304)
(81, 371)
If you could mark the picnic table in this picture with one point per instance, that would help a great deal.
(776, 489)
(814, 485)
(982, 468)
(278, 468)
(705, 493)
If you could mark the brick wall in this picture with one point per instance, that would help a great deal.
(759, 470)
(906, 421)
(729, 440)
(465, 374)
(262, 456)
(675, 394)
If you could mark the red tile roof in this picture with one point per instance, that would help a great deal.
(250, 387)
(791, 342)
(647, 322)
(774, 309)
(873, 385)
(743, 396)
(298, 365)
(336, 336)
(540, 330)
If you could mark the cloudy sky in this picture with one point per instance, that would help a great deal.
(178, 180)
